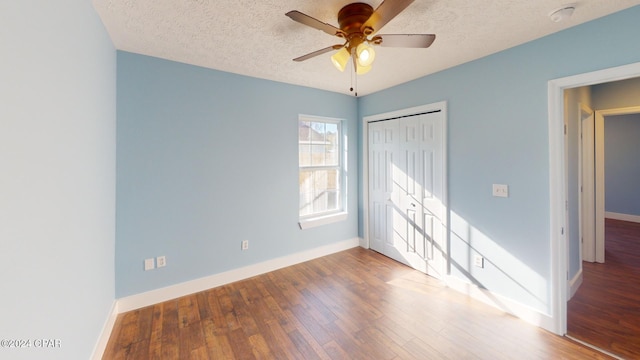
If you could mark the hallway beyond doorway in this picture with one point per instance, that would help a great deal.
(605, 311)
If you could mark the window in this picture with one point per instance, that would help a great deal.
(321, 170)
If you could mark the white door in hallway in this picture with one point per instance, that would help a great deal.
(406, 164)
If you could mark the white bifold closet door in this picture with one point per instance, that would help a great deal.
(406, 163)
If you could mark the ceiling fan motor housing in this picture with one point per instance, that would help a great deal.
(353, 16)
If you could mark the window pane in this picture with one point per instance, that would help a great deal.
(325, 201)
(317, 134)
(332, 157)
(304, 131)
(319, 130)
(306, 192)
(331, 128)
(332, 145)
(319, 146)
(320, 181)
(317, 154)
(305, 204)
(332, 200)
(325, 188)
(304, 148)
(304, 154)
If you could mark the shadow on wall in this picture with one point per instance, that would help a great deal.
(502, 272)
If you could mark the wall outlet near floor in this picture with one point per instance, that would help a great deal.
(478, 261)
(161, 261)
(245, 244)
(149, 264)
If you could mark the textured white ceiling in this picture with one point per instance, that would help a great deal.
(255, 38)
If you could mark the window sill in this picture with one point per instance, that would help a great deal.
(322, 220)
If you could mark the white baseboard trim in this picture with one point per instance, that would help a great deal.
(507, 305)
(623, 217)
(575, 283)
(101, 345)
(193, 286)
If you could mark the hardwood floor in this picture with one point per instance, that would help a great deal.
(356, 304)
(605, 311)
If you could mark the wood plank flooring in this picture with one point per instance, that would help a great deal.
(605, 311)
(356, 304)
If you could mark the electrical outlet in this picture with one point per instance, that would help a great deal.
(149, 264)
(478, 261)
(500, 190)
(161, 261)
(245, 244)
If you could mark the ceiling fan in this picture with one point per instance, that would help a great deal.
(358, 25)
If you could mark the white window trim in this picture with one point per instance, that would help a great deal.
(315, 220)
(312, 222)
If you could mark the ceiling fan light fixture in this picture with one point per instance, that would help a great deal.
(340, 59)
(365, 54)
(361, 70)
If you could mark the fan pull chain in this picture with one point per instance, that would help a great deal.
(351, 80)
(354, 75)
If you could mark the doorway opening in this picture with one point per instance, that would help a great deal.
(598, 311)
(566, 253)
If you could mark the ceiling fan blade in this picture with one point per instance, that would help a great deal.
(404, 40)
(384, 13)
(305, 19)
(318, 52)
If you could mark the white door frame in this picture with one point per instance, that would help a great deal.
(439, 106)
(558, 181)
(599, 168)
(587, 178)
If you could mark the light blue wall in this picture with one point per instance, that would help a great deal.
(207, 159)
(498, 133)
(57, 176)
(622, 164)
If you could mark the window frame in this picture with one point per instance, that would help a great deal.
(330, 216)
